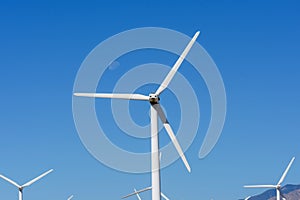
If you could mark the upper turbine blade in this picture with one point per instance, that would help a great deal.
(137, 192)
(174, 69)
(260, 186)
(37, 178)
(114, 96)
(286, 171)
(10, 181)
(170, 132)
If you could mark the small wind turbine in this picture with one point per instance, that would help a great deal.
(21, 187)
(143, 190)
(278, 185)
(137, 194)
(155, 111)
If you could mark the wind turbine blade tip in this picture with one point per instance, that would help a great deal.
(9, 180)
(286, 171)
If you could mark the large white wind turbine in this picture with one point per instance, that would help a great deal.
(155, 111)
(278, 185)
(21, 187)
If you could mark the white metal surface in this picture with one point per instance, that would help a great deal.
(10, 181)
(156, 111)
(278, 186)
(137, 194)
(20, 194)
(114, 96)
(176, 66)
(36, 179)
(155, 168)
(171, 134)
(286, 171)
(20, 188)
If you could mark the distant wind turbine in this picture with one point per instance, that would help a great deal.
(143, 190)
(278, 185)
(21, 187)
(137, 194)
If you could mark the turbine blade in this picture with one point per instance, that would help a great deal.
(277, 194)
(114, 96)
(282, 196)
(37, 178)
(286, 171)
(137, 192)
(164, 196)
(174, 69)
(260, 186)
(70, 197)
(10, 181)
(170, 132)
(247, 198)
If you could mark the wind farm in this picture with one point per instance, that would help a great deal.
(128, 100)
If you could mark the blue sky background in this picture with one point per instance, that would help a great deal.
(255, 45)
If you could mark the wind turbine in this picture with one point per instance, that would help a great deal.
(137, 194)
(21, 187)
(143, 190)
(278, 185)
(155, 110)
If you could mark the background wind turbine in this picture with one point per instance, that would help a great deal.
(156, 111)
(137, 194)
(21, 187)
(278, 185)
(143, 190)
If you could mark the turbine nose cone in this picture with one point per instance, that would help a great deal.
(278, 186)
(153, 98)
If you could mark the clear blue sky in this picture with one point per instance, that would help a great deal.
(255, 44)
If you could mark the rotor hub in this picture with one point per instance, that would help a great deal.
(153, 98)
(278, 186)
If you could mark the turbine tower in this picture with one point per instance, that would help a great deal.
(156, 111)
(278, 185)
(21, 187)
